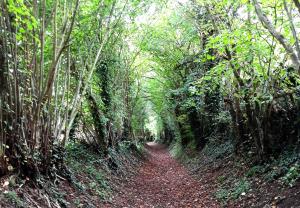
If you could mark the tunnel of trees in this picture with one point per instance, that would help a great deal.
(106, 72)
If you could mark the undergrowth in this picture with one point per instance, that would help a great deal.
(88, 178)
(233, 190)
(13, 198)
(96, 170)
(235, 181)
(285, 168)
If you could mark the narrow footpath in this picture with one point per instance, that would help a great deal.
(163, 183)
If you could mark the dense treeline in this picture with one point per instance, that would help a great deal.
(229, 71)
(103, 72)
(66, 74)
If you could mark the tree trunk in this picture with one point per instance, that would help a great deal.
(99, 124)
(278, 36)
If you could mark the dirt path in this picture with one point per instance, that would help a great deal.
(163, 183)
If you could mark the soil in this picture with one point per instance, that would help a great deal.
(163, 182)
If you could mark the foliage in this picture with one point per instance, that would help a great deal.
(211, 70)
(63, 66)
(177, 150)
(96, 181)
(292, 175)
(13, 198)
(255, 170)
(113, 74)
(239, 188)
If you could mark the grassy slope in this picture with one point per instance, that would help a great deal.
(93, 180)
(237, 182)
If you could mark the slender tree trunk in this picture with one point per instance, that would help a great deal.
(278, 36)
(99, 123)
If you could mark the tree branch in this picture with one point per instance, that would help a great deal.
(297, 3)
(278, 36)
